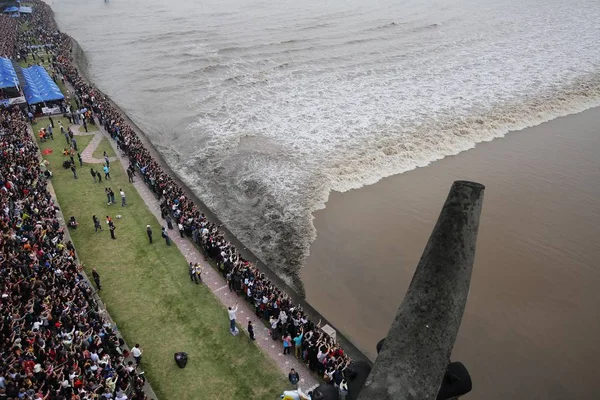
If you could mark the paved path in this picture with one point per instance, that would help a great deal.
(217, 284)
(88, 153)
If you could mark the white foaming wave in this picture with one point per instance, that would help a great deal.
(288, 186)
(355, 98)
(348, 119)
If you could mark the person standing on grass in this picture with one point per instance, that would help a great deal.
(106, 160)
(63, 131)
(73, 170)
(251, 331)
(149, 233)
(136, 352)
(106, 172)
(80, 160)
(74, 144)
(93, 174)
(130, 175)
(294, 378)
(49, 130)
(97, 225)
(112, 196)
(112, 228)
(51, 121)
(107, 191)
(99, 176)
(96, 278)
(192, 271)
(123, 201)
(198, 270)
(165, 235)
(232, 315)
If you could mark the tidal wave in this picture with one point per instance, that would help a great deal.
(290, 101)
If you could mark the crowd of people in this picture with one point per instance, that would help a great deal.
(289, 323)
(55, 341)
(9, 28)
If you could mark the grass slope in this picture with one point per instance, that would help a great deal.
(103, 146)
(147, 291)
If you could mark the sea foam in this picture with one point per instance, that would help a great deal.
(265, 109)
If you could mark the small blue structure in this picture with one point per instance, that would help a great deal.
(39, 86)
(15, 11)
(8, 75)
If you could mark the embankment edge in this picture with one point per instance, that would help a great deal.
(80, 61)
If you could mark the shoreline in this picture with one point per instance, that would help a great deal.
(349, 347)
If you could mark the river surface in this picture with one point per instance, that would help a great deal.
(265, 108)
(531, 325)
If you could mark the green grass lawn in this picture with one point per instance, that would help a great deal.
(91, 128)
(24, 26)
(148, 293)
(103, 146)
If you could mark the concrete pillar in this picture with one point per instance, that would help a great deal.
(418, 346)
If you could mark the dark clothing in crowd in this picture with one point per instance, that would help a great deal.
(96, 277)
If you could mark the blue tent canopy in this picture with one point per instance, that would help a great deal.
(39, 87)
(8, 76)
(21, 9)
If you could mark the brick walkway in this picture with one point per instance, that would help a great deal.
(214, 281)
(88, 153)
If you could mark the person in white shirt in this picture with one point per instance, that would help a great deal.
(123, 201)
(136, 352)
(231, 311)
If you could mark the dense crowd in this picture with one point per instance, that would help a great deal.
(55, 342)
(8, 36)
(289, 324)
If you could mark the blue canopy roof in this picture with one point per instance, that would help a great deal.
(39, 87)
(21, 9)
(8, 76)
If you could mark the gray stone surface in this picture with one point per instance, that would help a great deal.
(413, 360)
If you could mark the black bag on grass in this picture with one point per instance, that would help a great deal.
(181, 359)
